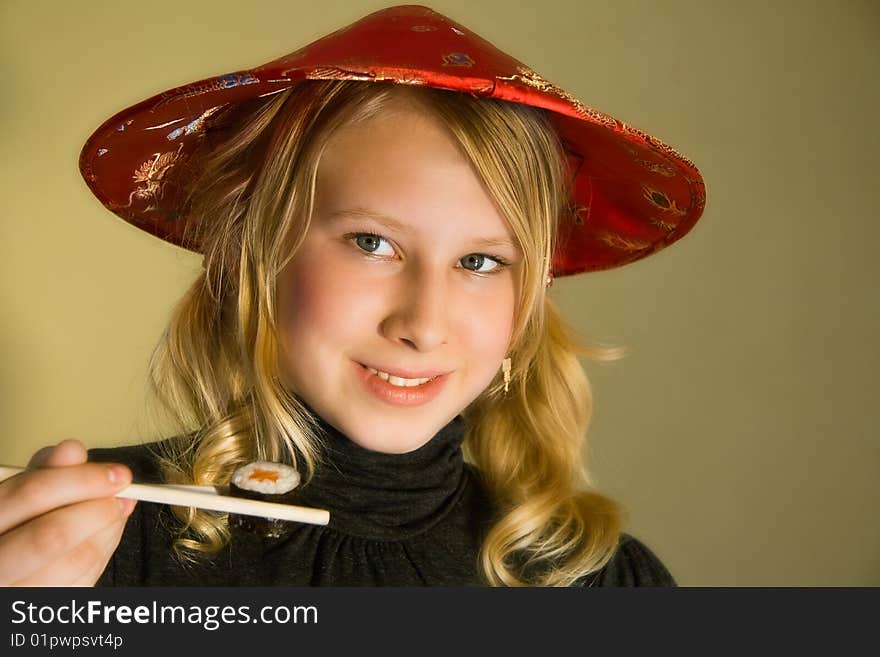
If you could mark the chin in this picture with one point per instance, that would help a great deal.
(397, 435)
(386, 446)
(393, 442)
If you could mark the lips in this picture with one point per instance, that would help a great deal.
(401, 395)
(405, 374)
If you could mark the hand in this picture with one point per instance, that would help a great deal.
(59, 522)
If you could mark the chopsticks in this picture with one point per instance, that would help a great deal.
(206, 497)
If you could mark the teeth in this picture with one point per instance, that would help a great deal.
(398, 381)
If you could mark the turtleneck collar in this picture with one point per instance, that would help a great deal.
(386, 496)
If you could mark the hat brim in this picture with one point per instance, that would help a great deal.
(632, 195)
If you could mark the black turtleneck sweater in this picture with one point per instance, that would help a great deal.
(412, 519)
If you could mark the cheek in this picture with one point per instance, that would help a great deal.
(305, 304)
(318, 304)
(486, 326)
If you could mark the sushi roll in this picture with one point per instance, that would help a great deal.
(269, 482)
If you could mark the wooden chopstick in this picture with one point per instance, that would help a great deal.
(206, 497)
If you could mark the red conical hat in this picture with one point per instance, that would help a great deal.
(632, 194)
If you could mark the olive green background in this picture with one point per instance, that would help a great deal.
(741, 432)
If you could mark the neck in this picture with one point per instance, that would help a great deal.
(385, 496)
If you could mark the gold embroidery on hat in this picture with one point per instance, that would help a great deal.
(336, 73)
(668, 150)
(657, 167)
(662, 201)
(664, 225)
(400, 77)
(577, 213)
(149, 177)
(624, 243)
(527, 76)
(457, 59)
(656, 144)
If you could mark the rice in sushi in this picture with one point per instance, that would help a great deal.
(267, 481)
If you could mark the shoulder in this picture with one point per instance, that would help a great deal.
(633, 564)
(142, 459)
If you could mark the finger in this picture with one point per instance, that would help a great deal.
(38, 460)
(35, 492)
(33, 546)
(111, 540)
(83, 565)
(67, 452)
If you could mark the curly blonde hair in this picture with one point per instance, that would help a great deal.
(217, 367)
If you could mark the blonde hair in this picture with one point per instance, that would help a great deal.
(216, 369)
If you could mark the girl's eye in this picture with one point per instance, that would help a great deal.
(371, 244)
(477, 263)
(474, 262)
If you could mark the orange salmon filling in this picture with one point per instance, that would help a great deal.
(263, 475)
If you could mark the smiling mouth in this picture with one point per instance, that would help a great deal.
(400, 381)
(403, 391)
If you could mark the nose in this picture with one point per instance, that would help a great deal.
(419, 308)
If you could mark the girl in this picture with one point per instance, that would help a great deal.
(373, 310)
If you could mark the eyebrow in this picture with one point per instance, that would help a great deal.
(378, 217)
(394, 224)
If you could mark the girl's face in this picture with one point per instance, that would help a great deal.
(407, 270)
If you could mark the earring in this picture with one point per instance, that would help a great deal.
(505, 368)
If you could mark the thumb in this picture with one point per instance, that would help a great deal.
(67, 452)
